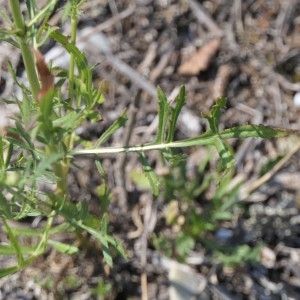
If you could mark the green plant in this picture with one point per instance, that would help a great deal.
(39, 149)
(194, 215)
(102, 290)
(234, 257)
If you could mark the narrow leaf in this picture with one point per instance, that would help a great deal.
(225, 153)
(62, 247)
(6, 36)
(153, 179)
(258, 131)
(102, 190)
(163, 114)
(12, 72)
(8, 271)
(46, 107)
(10, 250)
(117, 124)
(44, 12)
(9, 154)
(180, 102)
(14, 242)
(215, 114)
(80, 58)
(103, 240)
(5, 209)
(2, 165)
(26, 137)
(67, 121)
(28, 231)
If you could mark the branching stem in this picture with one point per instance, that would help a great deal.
(25, 47)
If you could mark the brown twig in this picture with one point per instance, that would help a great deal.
(121, 159)
(150, 219)
(247, 190)
(220, 85)
(204, 18)
(163, 62)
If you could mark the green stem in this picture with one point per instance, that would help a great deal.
(24, 46)
(74, 21)
(60, 169)
(208, 138)
(147, 147)
(42, 246)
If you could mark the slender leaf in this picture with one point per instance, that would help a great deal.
(62, 247)
(26, 108)
(14, 242)
(45, 164)
(2, 164)
(153, 179)
(6, 36)
(26, 211)
(80, 58)
(257, 131)
(13, 74)
(102, 190)
(104, 196)
(5, 17)
(10, 250)
(44, 12)
(103, 240)
(9, 154)
(215, 114)
(24, 134)
(5, 208)
(64, 227)
(225, 153)
(27, 231)
(100, 167)
(8, 271)
(82, 209)
(112, 129)
(180, 102)
(104, 226)
(69, 120)
(163, 114)
(46, 106)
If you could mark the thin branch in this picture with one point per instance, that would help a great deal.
(245, 192)
(203, 17)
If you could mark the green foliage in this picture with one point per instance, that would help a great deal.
(36, 153)
(270, 164)
(240, 255)
(102, 290)
(193, 215)
(36, 150)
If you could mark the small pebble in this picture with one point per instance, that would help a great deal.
(297, 99)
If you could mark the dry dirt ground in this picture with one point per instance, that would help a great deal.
(247, 51)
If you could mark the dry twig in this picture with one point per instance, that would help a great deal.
(248, 189)
(204, 18)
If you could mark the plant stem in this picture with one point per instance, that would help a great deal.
(61, 170)
(74, 21)
(25, 48)
(41, 247)
(208, 138)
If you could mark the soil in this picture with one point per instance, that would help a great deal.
(247, 51)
